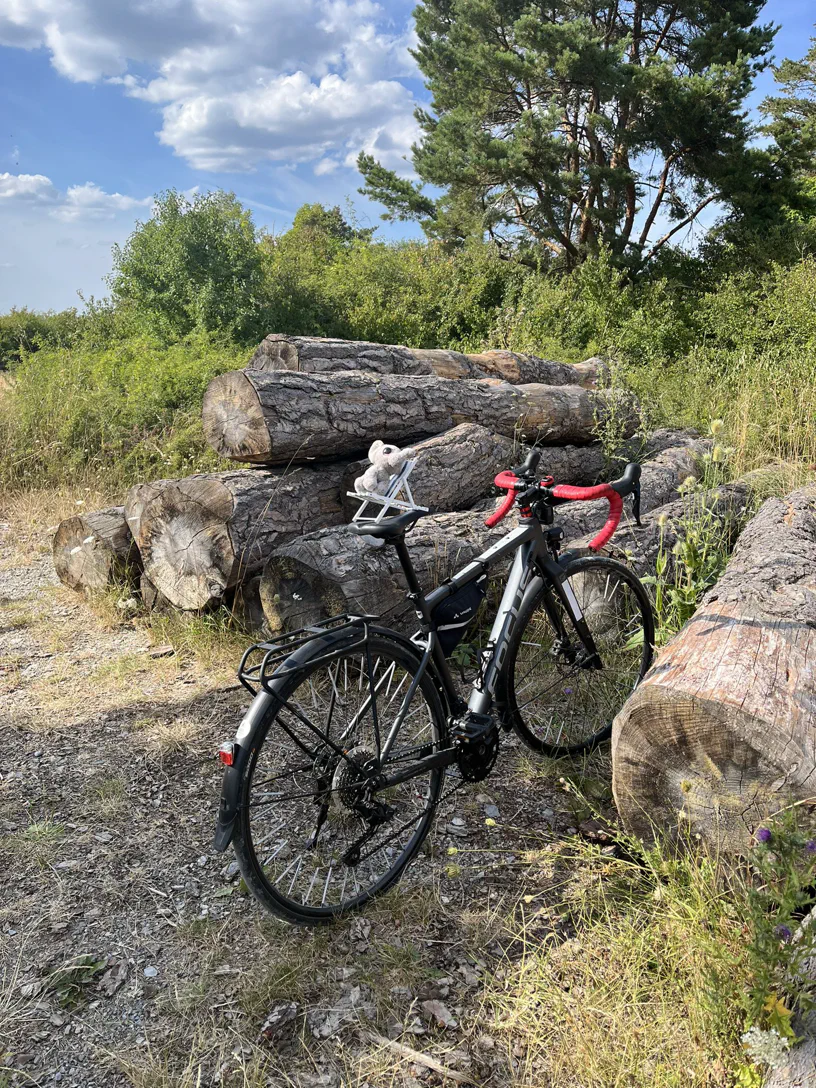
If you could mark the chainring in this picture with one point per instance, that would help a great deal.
(477, 757)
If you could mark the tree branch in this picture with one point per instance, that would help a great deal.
(661, 192)
(679, 226)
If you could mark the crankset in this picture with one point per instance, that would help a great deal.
(476, 740)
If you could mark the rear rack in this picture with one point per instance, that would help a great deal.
(262, 661)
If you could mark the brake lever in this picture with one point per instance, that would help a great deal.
(636, 503)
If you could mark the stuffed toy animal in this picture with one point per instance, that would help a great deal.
(386, 461)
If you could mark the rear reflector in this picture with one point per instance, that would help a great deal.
(226, 753)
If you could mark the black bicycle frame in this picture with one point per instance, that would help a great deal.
(532, 557)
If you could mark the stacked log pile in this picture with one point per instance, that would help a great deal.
(298, 421)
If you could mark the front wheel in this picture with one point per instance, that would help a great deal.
(559, 698)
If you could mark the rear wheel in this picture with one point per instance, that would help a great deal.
(314, 839)
(557, 699)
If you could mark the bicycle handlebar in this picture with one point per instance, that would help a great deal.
(614, 494)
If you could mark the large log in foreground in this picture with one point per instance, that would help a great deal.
(321, 355)
(284, 417)
(722, 732)
(332, 571)
(201, 536)
(92, 550)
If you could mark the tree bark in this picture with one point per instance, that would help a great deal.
(151, 598)
(285, 417)
(452, 472)
(721, 734)
(455, 470)
(201, 536)
(332, 571)
(321, 355)
(92, 550)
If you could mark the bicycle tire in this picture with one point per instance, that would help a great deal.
(561, 697)
(257, 874)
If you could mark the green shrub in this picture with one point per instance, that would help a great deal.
(26, 331)
(130, 411)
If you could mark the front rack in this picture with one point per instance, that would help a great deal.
(262, 660)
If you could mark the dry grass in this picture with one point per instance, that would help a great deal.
(645, 990)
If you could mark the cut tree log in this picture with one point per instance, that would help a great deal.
(285, 417)
(92, 550)
(452, 472)
(455, 470)
(201, 536)
(721, 733)
(319, 355)
(332, 571)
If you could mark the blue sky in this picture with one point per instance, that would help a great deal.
(105, 102)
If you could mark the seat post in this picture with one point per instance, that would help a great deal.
(408, 567)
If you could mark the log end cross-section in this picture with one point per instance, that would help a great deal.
(721, 734)
(234, 423)
(92, 550)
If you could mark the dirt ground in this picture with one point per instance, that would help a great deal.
(130, 952)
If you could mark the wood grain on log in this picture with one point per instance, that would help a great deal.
(284, 416)
(722, 731)
(203, 535)
(92, 550)
(332, 571)
(319, 355)
(453, 470)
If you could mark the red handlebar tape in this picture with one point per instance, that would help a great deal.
(510, 482)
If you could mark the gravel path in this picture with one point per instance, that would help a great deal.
(131, 954)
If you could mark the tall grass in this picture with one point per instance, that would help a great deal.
(112, 416)
(647, 972)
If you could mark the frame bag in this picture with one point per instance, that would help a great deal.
(452, 616)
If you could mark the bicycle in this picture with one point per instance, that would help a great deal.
(337, 769)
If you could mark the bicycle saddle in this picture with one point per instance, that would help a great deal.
(388, 528)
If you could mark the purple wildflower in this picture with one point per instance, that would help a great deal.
(763, 835)
(783, 933)
(810, 846)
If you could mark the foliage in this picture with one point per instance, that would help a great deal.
(784, 866)
(193, 266)
(635, 975)
(543, 120)
(694, 563)
(128, 412)
(26, 331)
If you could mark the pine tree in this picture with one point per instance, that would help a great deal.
(572, 125)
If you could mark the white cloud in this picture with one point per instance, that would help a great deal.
(240, 82)
(31, 188)
(86, 201)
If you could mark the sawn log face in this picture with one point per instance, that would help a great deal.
(92, 550)
(722, 731)
(201, 536)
